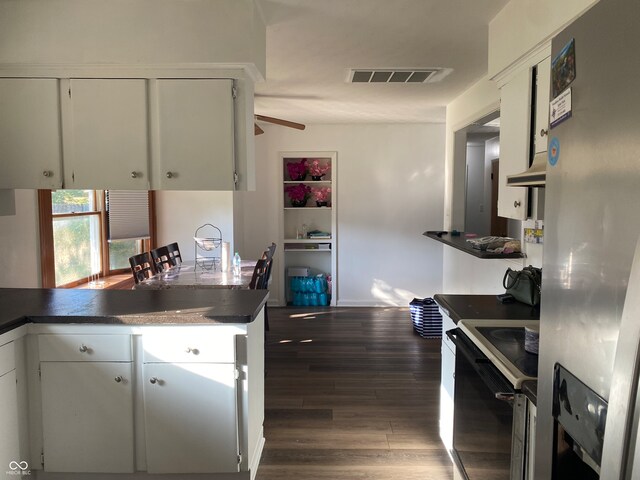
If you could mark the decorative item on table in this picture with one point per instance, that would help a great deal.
(317, 170)
(226, 256)
(297, 170)
(321, 195)
(298, 194)
(524, 285)
(208, 242)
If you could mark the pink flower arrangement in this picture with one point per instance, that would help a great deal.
(297, 170)
(321, 194)
(298, 194)
(317, 169)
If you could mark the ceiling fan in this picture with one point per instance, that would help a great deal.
(276, 121)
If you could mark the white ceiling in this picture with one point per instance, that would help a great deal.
(311, 45)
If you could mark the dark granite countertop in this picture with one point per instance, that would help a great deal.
(530, 389)
(19, 306)
(484, 306)
(459, 242)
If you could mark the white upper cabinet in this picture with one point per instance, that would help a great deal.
(126, 134)
(30, 145)
(106, 134)
(195, 140)
(523, 97)
(515, 124)
(543, 85)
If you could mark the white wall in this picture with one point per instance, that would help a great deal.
(19, 243)
(390, 189)
(125, 32)
(478, 101)
(522, 25)
(179, 214)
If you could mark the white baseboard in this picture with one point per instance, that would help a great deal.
(367, 303)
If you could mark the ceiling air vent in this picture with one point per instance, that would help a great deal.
(394, 75)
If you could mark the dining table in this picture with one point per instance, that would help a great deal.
(190, 274)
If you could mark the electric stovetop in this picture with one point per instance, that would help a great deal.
(502, 341)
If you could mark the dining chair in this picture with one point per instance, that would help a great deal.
(259, 274)
(262, 282)
(268, 255)
(141, 267)
(162, 259)
(174, 253)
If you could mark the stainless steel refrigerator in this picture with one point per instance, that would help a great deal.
(592, 227)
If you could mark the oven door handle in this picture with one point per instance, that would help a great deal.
(490, 375)
(505, 397)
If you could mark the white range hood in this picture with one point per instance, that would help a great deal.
(534, 176)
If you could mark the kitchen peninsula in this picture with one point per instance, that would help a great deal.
(132, 383)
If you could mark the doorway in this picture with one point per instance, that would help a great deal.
(476, 161)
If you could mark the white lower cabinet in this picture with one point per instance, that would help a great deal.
(157, 399)
(9, 436)
(191, 419)
(447, 383)
(87, 416)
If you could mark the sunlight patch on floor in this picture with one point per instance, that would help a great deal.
(385, 293)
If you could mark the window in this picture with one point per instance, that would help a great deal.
(74, 238)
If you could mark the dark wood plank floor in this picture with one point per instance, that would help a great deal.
(351, 393)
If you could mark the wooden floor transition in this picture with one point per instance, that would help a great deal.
(351, 393)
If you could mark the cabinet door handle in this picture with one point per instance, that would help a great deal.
(169, 174)
(517, 203)
(47, 173)
(134, 174)
(118, 379)
(195, 351)
(83, 348)
(544, 132)
(153, 380)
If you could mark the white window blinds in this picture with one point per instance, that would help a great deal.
(127, 214)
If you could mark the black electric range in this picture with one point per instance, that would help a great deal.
(502, 341)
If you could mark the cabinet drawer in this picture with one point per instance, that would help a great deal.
(7, 358)
(188, 347)
(85, 348)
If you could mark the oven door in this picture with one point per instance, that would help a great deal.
(483, 414)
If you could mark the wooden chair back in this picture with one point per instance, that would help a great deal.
(268, 256)
(141, 267)
(162, 260)
(259, 275)
(174, 253)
